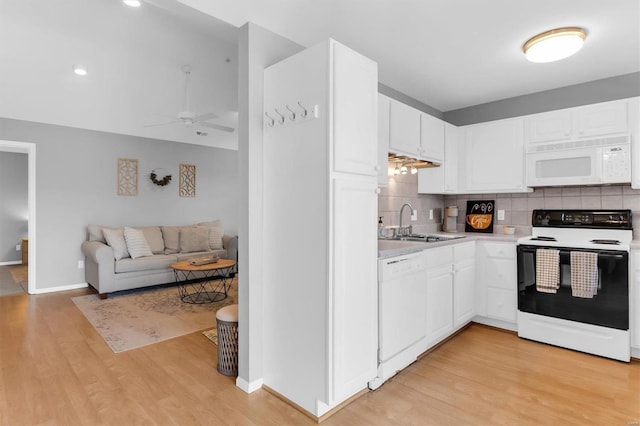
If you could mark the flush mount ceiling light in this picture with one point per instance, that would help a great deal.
(554, 45)
(132, 3)
(80, 69)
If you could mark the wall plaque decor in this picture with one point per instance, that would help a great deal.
(187, 180)
(479, 216)
(127, 176)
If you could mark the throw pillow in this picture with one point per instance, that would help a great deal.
(194, 239)
(215, 238)
(213, 223)
(115, 238)
(95, 233)
(153, 235)
(136, 243)
(171, 236)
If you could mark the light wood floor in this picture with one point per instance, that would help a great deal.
(55, 369)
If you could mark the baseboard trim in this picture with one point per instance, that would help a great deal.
(12, 262)
(60, 288)
(249, 387)
(323, 417)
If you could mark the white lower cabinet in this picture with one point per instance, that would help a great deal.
(450, 289)
(497, 297)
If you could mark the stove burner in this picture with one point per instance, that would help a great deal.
(612, 242)
(543, 239)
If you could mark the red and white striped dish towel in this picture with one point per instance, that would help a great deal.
(547, 270)
(584, 274)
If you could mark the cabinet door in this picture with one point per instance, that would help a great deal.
(443, 179)
(353, 295)
(502, 304)
(431, 138)
(439, 304)
(354, 112)
(601, 119)
(383, 140)
(494, 156)
(404, 129)
(463, 292)
(550, 126)
(634, 129)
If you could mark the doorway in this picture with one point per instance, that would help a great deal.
(30, 150)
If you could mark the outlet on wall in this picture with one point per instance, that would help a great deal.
(430, 214)
(80, 264)
(500, 214)
(17, 247)
(414, 215)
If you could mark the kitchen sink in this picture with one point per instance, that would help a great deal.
(431, 238)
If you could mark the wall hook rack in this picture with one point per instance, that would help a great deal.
(274, 118)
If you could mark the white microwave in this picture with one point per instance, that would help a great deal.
(582, 162)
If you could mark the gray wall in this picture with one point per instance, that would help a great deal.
(401, 97)
(13, 204)
(608, 89)
(76, 186)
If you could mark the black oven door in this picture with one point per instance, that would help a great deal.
(608, 308)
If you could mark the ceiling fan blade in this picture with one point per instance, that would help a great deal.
(205, 117)
(162, 124)
(217, 127)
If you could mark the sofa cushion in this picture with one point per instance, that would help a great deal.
(115, 238)
(171, 236)
(215, 237)
(194, 239)
(136, 243)
(155, 262)
(153, 235)
(95, 233)
(211, 224)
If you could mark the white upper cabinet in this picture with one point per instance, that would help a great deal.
(431, 138)
(443, 179)
(607, 118)
(404, 129)
(353, 134)
(383, 139)
(634, 129)
(494, 157)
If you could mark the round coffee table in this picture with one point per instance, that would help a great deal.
(203, 283)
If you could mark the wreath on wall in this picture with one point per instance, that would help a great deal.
(163, 181)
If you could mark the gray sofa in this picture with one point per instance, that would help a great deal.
(109, 267)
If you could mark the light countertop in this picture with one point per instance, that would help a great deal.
(391, 248)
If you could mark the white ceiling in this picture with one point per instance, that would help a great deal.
(134, 58)
(451, 54)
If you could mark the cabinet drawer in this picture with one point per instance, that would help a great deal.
(501, 273)
(501, 304)
(502, 251)
(439, 256)
(464, 251)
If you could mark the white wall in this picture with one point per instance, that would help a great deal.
(76, 186)
(13, 204)
(258, 48)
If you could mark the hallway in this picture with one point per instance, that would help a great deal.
(13, 279)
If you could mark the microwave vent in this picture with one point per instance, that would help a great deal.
(587, 143)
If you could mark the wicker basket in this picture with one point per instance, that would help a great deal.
(227, 345)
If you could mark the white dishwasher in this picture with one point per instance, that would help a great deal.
(402, 313)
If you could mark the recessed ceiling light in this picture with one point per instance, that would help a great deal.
(554, 45)
(132, 3)
(80, 69)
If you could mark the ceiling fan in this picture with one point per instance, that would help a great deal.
(190, 118)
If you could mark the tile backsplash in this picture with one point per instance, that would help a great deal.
(517, 206)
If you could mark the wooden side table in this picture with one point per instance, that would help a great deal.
(25, 251)
(203, 283)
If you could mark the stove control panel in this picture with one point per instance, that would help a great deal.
(601, 219)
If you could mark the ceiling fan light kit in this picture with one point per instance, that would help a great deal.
(132, 3)
(554, 45)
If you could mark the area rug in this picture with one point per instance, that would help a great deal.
(211, 335)
(136, 318)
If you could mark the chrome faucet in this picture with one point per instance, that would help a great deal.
(400, 221)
